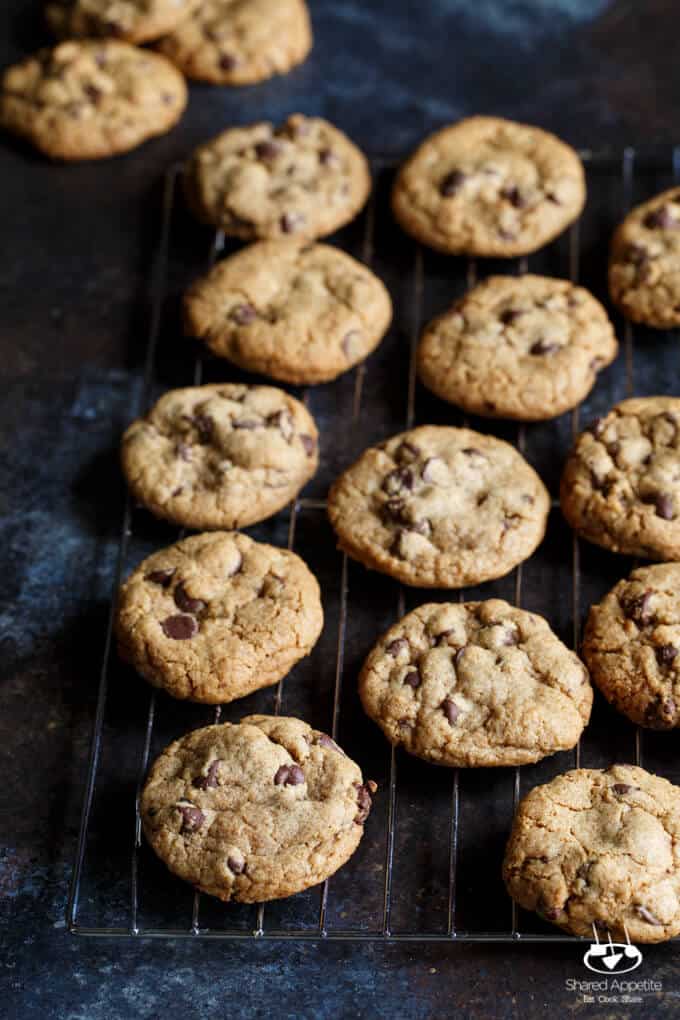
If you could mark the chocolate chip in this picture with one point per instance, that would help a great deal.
(511, 637)
(282, 421)
(228, 62)
(178, 491)
(308, 443)
(397, 646)
(243, 314)
(249, 424)
(452, 183)
(664, 506)
(393, 510)
(406, 452)
(666, 655)
(509, 316)
(168, 98)
(459, 655)
(596, 427)
(443, 638)
(162, 577)
(328, 742)
(289, 775)
(421, 527)
(291, 221)
(180, 628)
(209, 780)
(550, 913)
(450, 710)
(93, 93)
(514, 197)
(268, 150)
(543, 347)
(349, 341)
(398, 480)
(413, 679)
(637, 254)
(328, 158)
(639, 609)
(204, 426)
(364, 801)
(472, 451)
(622, 789)
(552, 197)
(647, 915)
(185, 602)
(236, 864)
(660, 218)
(192, 818)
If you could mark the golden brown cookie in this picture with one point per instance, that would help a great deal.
(217, 616)
(440, 507)
(487, 186)
(300, 313)
(476, 683)
(600, 848)
(621, 483)
(303, 179)
(525, 347)
(134, 21)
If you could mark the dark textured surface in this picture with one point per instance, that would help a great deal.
(74, 288)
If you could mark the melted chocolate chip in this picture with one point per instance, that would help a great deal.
(397, 646)
(398, 480)
(180, 628)
(514, 197)
(328, 158)
(413, 679)
(325, 741)
(209, 780)
(509, 316)
(660, 218)
(543, 347)
(228, 62)
(664, 506)
(243, 314)
(364, 801)
(93, 93)
(192, 818)
(666, 655)
(185, 602)
(249, 424)
(450, 710)
(647, 915)
(291, 221)
(308, 443)
(639, 609)
(268, 150)
(204, 426)
(622, 789)
(236, 864)
(452, 183)
(406, 452)
(289, 775)
(162, 577)
(458, 655)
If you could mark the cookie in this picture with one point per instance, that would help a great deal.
(256, 810)
(304, 178)
(239, 42)
(440, 507)
(644, 268)
(91, 100)
(220, 456)
(134, 21)
(217, 616)
(302, 314)
(476, 684)
(600, 848)
(621, 483)
(524, 347)
(632, 646)
(487, 186)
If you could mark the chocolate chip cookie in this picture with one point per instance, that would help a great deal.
(487, 186)
(600, 848)
(632, 646)
(91, 99)
(220, 456)
(299, 313)
(305, 178)
(134, 21)
(476, 683)
(525, 347)
(440, 507)
(239, 42)
(621, 483)
(217, 616)
(644, 269)
(256, 810)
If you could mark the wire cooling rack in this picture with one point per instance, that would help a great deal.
(428, 868)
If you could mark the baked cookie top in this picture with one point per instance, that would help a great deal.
(476, 683)
(632, 646)
(91, 99)
(621, 483)
(256, 810)
(487, 186)
(299, 313)
(220, 456)
(603, 848)
(305, 178)
(525, 347)
(217, 616)
(134, 21)
(239, 42)
(644, 269)
(440, 507)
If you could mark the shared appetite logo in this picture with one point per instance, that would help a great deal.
(612, 959)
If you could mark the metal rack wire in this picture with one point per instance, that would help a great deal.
(386, 931)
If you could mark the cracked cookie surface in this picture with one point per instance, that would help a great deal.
(299, 313)
(240, 42)
(440, 507)
(220, 456)
(91, 99)
(600, 847)
(217, 616)
(526, 347)
(632, 646)
(621, 483)
(256, 810)
(490, 187)
(304, 178)
(134, 21)
(644, 267)
(476, 684)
